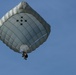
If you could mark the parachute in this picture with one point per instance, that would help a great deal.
(23, 29)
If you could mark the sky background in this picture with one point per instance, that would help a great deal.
(57, 56)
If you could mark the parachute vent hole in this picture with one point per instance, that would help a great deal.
(17, 20)
(21, 16)
(21, 24)
(21, 20)
(25, 20)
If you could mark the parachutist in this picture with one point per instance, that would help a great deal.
(25, 55)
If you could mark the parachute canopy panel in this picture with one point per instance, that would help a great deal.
(23, 27)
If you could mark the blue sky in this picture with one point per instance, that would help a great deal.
(57, 56)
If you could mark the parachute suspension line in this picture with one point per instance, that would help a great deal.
(38, 39)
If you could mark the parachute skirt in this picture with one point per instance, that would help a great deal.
(23, 28)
